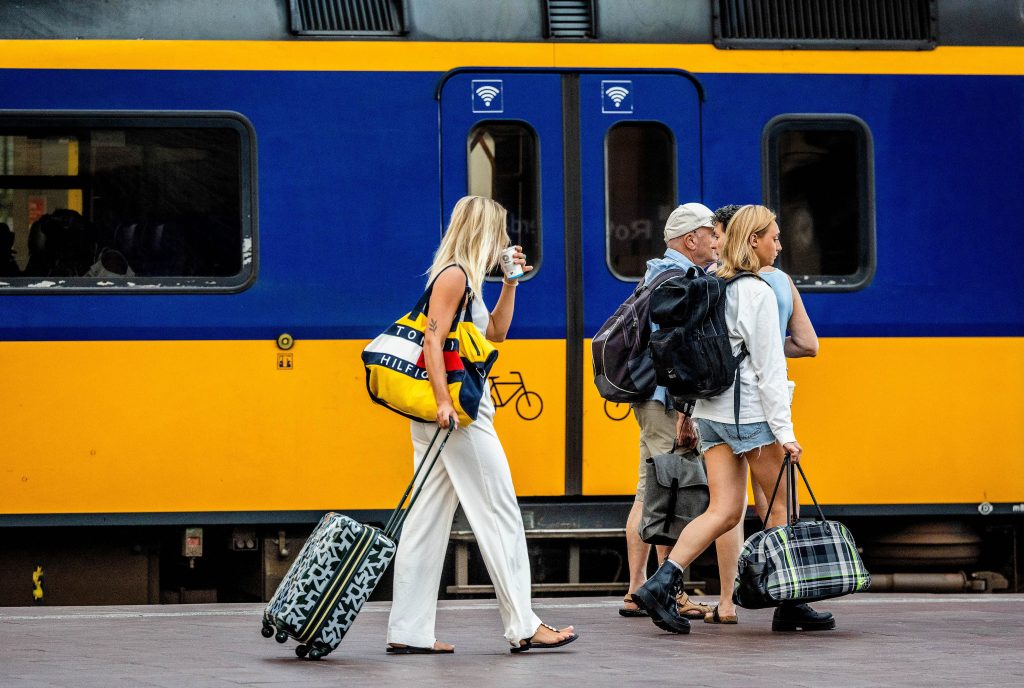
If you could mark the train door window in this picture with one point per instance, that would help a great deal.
(819, 179)
(93, 201)
(502, 164)
(640, 184)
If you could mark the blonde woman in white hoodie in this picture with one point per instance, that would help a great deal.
(765, 428)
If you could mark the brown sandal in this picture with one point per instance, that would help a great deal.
(713, 617)
(631, 613)
(690, 609)
(413, 650)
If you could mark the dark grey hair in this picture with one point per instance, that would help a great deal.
(725, 213)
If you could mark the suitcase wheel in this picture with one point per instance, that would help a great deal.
(268, 631)
(301, 651)
(316, 653)
(281, 637)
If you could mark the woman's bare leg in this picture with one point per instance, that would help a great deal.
(760, 499)
(727, 482)
(765, 464)
(727, 548)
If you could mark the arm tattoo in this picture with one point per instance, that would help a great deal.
(433, 325)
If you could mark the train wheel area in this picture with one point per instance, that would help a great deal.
(576, 549)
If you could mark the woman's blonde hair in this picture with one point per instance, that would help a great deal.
(474, 240)
(738, 256)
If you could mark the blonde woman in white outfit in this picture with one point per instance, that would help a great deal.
(759, 437)
(473, 469)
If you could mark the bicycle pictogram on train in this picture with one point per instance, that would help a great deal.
(615, 410)
(529, 405)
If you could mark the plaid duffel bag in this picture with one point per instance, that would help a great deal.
(800, 562)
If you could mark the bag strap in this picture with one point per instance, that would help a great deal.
(461, 312)
(398, 516)
(821, 514)
(736, 392)
(771, 502)
(792, 501)
(739, 359)
(662, 277)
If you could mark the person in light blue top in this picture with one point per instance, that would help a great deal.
(691, 240)
(798, 340)
(780, 284)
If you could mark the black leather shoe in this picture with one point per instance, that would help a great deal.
(792, 617)
(657, 597)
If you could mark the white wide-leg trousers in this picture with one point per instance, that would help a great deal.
(472, 470)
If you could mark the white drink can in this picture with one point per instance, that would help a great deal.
(511, 269)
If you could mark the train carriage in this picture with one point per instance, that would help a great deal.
(209, 224)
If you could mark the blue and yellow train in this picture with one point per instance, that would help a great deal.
(209, 223)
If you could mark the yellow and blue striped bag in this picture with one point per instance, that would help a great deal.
(396, 375)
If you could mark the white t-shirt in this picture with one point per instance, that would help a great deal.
(752, 316)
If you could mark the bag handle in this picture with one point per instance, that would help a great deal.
(771, 502)
(424, 302)
(791, 496)
(398, 516)
(821, 514)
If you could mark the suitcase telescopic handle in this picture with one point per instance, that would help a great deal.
(399, 515)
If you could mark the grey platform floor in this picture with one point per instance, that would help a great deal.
(880, 640)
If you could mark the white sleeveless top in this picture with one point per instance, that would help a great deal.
(479, 314)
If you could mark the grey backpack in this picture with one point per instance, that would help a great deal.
(675, 493)
(623, 369)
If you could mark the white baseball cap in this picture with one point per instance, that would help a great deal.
(687, 218)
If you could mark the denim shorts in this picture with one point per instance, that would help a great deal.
(751, 436)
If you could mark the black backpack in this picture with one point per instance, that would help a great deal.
(691, 352)
(623, 370)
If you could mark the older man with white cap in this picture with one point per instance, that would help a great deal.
(691, 240)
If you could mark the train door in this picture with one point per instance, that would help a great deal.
(589, 165)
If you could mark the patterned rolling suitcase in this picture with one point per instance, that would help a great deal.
(334, 574)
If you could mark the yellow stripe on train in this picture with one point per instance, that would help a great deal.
(142, 427)
(881, 421)
(393, 56)
(150, 426)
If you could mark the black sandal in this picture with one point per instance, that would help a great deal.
(530, 645)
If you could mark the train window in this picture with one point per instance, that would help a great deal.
(641, 187)
(819, 179)
(502, 164)
(99, 201)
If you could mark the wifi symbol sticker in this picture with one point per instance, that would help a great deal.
(487, 95)
(617, 97)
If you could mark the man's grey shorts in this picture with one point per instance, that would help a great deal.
(657, 434)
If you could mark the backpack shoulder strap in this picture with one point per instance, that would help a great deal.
(742, 274)
(661, 278)
(743, 352)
